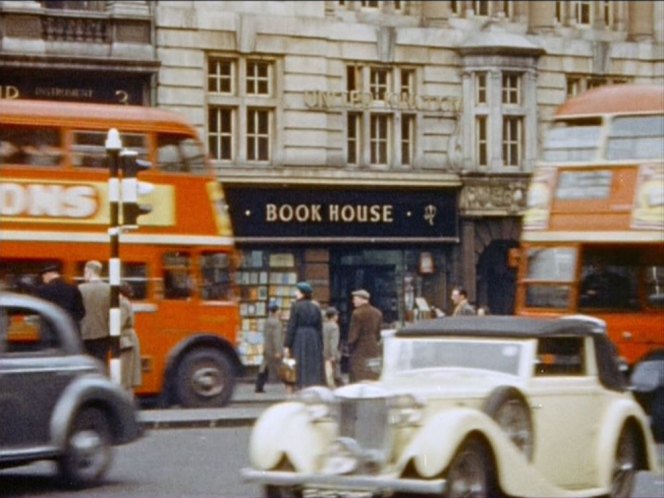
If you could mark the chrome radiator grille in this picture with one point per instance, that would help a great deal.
(365, 421)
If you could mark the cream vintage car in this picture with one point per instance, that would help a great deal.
(468, 406)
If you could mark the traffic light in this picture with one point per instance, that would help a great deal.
(132, 189)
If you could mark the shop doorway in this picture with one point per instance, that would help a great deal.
(379, 272)
(496, 281)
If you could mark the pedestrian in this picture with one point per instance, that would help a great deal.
(55, 289)
(304, 338)
(461, 305)
(483, 310)
(95, 327)
(363, 337)
(272, 348)
(131, 374)
(331, 352)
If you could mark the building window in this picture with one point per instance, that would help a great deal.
(480, 88)
(560, 12)
(407, 81)
(407, 138)
(511, 89)
(507, 8)
(374, 136)
(369, 4)
(258, 78)
(379, 83)
(573, 87)
(579, 84)
(583, 12)
(221, 76)
(609, 13)
(380, 138)
(220, 133)
(353, 141)
(482, 140)
(258, 135)
(512, 140)
(481, 7)
(236, 131)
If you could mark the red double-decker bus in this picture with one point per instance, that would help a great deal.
(54, 209)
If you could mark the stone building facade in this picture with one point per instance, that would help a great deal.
(377, 144)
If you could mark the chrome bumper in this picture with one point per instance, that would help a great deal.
(375, 484)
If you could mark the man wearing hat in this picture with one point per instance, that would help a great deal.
(363, 336)
(55, 289)
(272, 347)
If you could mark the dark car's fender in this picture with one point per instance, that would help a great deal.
(95, 390)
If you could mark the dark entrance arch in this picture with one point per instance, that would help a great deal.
(496, 281)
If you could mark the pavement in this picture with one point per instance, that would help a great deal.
(243, 410)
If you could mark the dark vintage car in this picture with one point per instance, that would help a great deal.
(465, 406)
(56, 403)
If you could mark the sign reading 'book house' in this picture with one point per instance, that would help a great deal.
(363, 215)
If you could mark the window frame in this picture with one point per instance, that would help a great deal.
(257, 135)
(378, 144)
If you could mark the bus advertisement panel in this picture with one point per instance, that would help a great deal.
(54, 208)
(593, 234)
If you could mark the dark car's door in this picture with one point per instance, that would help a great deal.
(34, 370)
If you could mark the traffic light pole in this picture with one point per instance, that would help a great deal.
(113, 146)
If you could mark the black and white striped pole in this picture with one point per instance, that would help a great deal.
(113, 147)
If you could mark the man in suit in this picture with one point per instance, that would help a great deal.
(55, 289)
(363, 336)
(461, 305)
(95, 327)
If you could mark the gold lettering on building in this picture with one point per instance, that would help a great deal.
(333, 213)
(318, 99)
(9, 92)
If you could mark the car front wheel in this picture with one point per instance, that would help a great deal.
(471, 473)
(625, 465)
(88, 451)
(509, 408)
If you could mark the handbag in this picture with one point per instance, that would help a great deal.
(286, 371)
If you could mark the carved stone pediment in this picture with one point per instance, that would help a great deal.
(493, 196)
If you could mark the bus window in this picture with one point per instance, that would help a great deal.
(654, 278)
(33, 145)
(180, 153)
(636, 137)
(572, 141)
(22, 276)
(136, 275)
(89, 148)
(216, 281)
(609, 279)
(550, 277)
(177, 280)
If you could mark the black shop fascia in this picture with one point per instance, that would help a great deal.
(315, 214)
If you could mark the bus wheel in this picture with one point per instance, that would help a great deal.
(205, 379)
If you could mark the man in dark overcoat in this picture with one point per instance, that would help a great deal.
(56, 290)
(363, 336)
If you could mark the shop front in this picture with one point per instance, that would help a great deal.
(395, 243)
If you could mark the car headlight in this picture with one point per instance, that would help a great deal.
(405, 410)
(318, 402)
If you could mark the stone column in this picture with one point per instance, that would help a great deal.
(619, 23)
(541, 16)
(435, 13)
(641, 20)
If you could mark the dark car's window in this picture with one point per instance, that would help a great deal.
(24, 331)
(560, 356)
